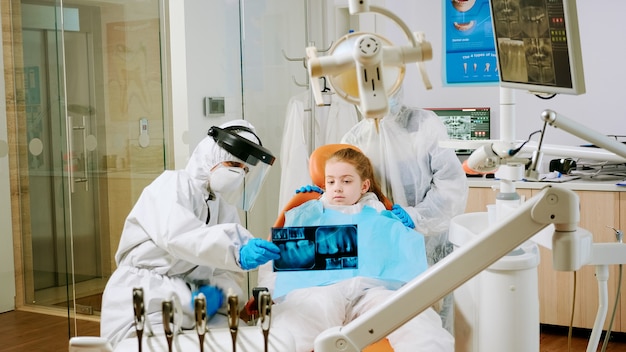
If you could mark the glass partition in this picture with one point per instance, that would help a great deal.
(90, 131)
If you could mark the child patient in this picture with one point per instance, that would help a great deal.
(389, 255)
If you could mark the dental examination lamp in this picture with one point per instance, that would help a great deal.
(365, 68)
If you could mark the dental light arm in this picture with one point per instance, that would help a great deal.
(368, 58)
(579, 130)
(551, 206)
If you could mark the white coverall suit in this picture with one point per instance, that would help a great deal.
(176, 235)
(426, 179)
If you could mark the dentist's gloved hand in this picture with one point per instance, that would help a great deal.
(257, 252)
(213, 295)
(403, 215)
(310, 188)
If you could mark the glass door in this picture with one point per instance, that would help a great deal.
(61, 134)
(91, 134)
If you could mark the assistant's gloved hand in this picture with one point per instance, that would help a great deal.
(213, 295)
(256, 252)
(403, 215)
(310, 188)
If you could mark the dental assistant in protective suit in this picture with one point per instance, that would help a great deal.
(182, 235)
(425, 181)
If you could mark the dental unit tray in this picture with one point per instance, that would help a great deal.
(249, 339)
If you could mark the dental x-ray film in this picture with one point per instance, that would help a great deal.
(328, 247)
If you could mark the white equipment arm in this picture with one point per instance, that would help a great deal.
(579, 130)
(551, 206)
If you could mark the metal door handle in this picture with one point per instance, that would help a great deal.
(70, 147)
(83, 128)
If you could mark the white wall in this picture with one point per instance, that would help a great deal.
(600, 108)
(209, 64)
(205, 61)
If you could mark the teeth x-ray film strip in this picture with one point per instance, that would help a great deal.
(328, 247)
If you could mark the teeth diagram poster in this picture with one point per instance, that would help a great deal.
(470, 54)
(328, 247)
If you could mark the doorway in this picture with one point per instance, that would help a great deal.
(90, 133)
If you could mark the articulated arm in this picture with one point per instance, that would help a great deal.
(551, 206)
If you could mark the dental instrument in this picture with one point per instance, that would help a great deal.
(265, 304)
(233, 318)
(200, 315)
(174, 338)
(168, 322)
(139, 310)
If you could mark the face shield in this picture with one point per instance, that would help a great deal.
(255, 157)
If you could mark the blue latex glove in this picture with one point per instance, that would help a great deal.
(403, 215)
(214, 298)
(256, 252)
(310, 188)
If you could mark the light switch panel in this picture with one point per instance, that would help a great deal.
(214, 106)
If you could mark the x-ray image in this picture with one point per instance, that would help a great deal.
(316, 247)
(459, 127)
(524, 43)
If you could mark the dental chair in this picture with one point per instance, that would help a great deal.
(317, 164)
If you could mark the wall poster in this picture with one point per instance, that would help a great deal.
(469, 49)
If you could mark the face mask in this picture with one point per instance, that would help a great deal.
(225, 179)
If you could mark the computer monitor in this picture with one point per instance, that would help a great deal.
(538, 45)
(466, 124)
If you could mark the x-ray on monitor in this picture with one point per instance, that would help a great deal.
(538, 45)
(466, 124)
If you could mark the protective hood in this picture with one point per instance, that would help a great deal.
(206, 155)
(238, 137)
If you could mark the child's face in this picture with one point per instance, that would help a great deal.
(343, 184)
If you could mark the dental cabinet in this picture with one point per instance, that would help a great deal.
(602, 207)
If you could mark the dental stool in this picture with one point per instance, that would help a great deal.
(317, 163)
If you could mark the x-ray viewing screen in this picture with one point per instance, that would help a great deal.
(316, 247)
(538, 45)
(466, 123)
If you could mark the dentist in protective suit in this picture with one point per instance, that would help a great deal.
(425, 181)
(184, 234)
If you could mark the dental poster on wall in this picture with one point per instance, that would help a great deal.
(470, 54)
(328, 247)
